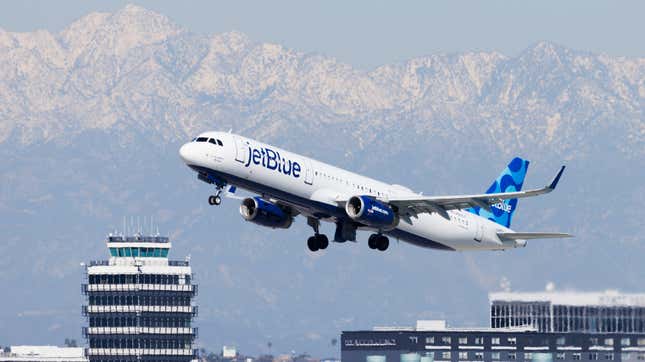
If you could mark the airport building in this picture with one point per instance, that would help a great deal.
(42, 354)
(433, 341)
(545, 326)
(567, 311)
(139, 303)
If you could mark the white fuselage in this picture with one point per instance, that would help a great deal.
(314, 189)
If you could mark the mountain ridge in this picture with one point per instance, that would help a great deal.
(133, 59)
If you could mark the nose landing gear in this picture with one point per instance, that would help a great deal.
(216, 199)
(378, 241)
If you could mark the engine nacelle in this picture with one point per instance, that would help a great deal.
(261, 212)
(371, 212)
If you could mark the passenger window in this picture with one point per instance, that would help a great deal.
(220, 143)
(210, 140)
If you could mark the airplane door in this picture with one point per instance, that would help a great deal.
(241, 150)
(309, 173)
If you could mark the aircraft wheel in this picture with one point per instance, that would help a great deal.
(323, 242)
(211, 200)
(383, 243)
(371, 242)
(312, 243)
(217, 200)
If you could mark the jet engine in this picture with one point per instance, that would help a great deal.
(262, 212)
(371, 212)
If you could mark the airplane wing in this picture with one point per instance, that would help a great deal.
(531, 236)
(414, 205)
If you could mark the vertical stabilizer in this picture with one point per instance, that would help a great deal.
(511, 179)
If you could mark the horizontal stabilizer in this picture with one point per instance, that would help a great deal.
(531, 236)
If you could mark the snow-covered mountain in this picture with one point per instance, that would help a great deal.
(136, 69)
(91, 118)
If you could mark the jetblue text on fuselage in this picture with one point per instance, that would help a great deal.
(272, 160)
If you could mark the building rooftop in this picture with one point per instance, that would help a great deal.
(575, 298)
(137, 239)
(43, 353)
(441, 326)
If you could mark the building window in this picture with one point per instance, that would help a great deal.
(560, 356)
(445, 355)
(463, 355)
(609, 356)
(495, 355)
(641, 357)
(479, 340)
(512, 341)
(463, 340)
(625, 342)
(511, 356)
(576, 356)
(609, 341)
(593, 356)
(479, 355)
(494, 340)
(593, 341)
(561, 341)
(429, 340)
(528, 356)
(445, 340)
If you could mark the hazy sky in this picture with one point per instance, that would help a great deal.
(370, 33)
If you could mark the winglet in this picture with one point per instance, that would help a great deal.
(556, 179)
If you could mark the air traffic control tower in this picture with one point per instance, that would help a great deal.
(139, 303)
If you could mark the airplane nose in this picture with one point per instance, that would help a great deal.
(184, 152)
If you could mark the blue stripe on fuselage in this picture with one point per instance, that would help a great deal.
(320, 209)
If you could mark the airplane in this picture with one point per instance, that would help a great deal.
(288, 185)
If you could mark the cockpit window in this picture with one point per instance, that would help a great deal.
(220, 143)
(202, 139)
(212, 141)
(194, 139)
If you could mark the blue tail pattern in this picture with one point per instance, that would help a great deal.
(510, 180)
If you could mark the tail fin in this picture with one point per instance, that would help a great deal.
(511, 179)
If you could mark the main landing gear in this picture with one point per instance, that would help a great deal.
(318, 241)
(378, 241)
